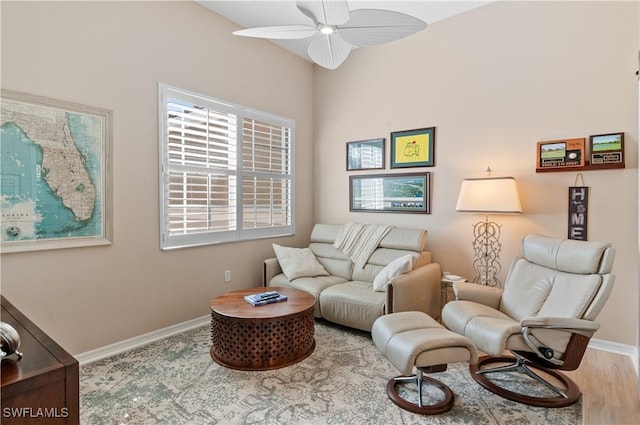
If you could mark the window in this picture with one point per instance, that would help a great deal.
(226, 171)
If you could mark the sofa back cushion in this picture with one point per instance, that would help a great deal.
(397, 243)
(332, 259)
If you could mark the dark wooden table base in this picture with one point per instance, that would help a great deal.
(265, 337)
(262, 344)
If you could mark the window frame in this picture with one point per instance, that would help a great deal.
(212, 237)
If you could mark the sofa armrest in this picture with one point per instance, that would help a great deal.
(418, 290)
(480, 294)
(270, 269)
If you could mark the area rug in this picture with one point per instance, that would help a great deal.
(174, 381)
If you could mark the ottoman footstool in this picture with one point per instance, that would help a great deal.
(413, 339)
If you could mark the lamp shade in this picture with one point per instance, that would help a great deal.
(489, 195)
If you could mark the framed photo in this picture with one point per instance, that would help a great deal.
(399, 193)
(413, 148)
(561, 154)
(607, 148)
(56, 174)
(365, 155)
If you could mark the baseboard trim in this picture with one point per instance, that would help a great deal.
(140, 340)
(616, 348)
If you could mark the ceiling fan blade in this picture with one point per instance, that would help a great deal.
(282, 32)
(367, 27)
(330, 12)
(329, 51)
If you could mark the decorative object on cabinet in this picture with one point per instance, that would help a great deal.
(400, 193)
(413, 148)
(561, 154)
(488, 195)
(10, 341)
(56, 174)
(365, 155)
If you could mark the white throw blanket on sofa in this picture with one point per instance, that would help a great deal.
(358, 241)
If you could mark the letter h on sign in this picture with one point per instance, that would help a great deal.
(578, 202)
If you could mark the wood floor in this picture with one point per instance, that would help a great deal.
(609, 389)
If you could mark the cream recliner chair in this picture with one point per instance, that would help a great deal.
(545, 316)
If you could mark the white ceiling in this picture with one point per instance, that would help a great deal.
(256, 13)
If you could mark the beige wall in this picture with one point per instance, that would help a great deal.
(112, 55)
(494, 81)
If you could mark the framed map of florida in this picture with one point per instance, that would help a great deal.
(55, 171)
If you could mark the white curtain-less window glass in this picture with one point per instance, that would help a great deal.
(226, 171)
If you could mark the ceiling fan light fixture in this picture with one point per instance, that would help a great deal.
(326, 29)
(341, 29)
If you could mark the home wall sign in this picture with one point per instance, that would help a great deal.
(578, 211)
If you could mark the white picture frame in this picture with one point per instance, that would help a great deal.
(55, 179)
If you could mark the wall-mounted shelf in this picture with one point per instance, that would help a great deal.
(587, 167)
(606, 150)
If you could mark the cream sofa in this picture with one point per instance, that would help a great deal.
(346, 295)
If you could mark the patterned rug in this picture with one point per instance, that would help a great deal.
(174, 381)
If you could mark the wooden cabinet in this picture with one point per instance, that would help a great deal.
(42, 387)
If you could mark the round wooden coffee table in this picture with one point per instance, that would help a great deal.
(264, 337)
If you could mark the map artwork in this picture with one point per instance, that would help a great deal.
(52, 175)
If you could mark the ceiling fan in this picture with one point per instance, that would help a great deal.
(336, 29)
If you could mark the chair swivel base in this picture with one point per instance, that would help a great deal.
(419, 379)
(564, 398)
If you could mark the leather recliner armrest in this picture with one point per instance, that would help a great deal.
(480, 294)
(550, 337)
(564, 323)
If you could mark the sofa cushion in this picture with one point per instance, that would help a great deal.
(378, 261)
(352, 304)
(325, 233)
(400, 265)
(311, 285)
(332, 259)
(298, 262)
(409, 239)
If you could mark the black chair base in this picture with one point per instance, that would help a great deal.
(564, 398)
(432, 409)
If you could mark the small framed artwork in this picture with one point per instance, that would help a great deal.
(398, 193)
(558, 154)
(413, 148)
(365, 155)
(607, 149)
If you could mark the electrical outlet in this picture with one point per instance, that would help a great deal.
(227, 275)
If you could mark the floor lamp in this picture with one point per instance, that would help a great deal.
(488, 195)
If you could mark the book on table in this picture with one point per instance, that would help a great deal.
(264, 298)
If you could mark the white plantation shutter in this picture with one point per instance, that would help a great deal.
(266, 182)
(226, 171)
